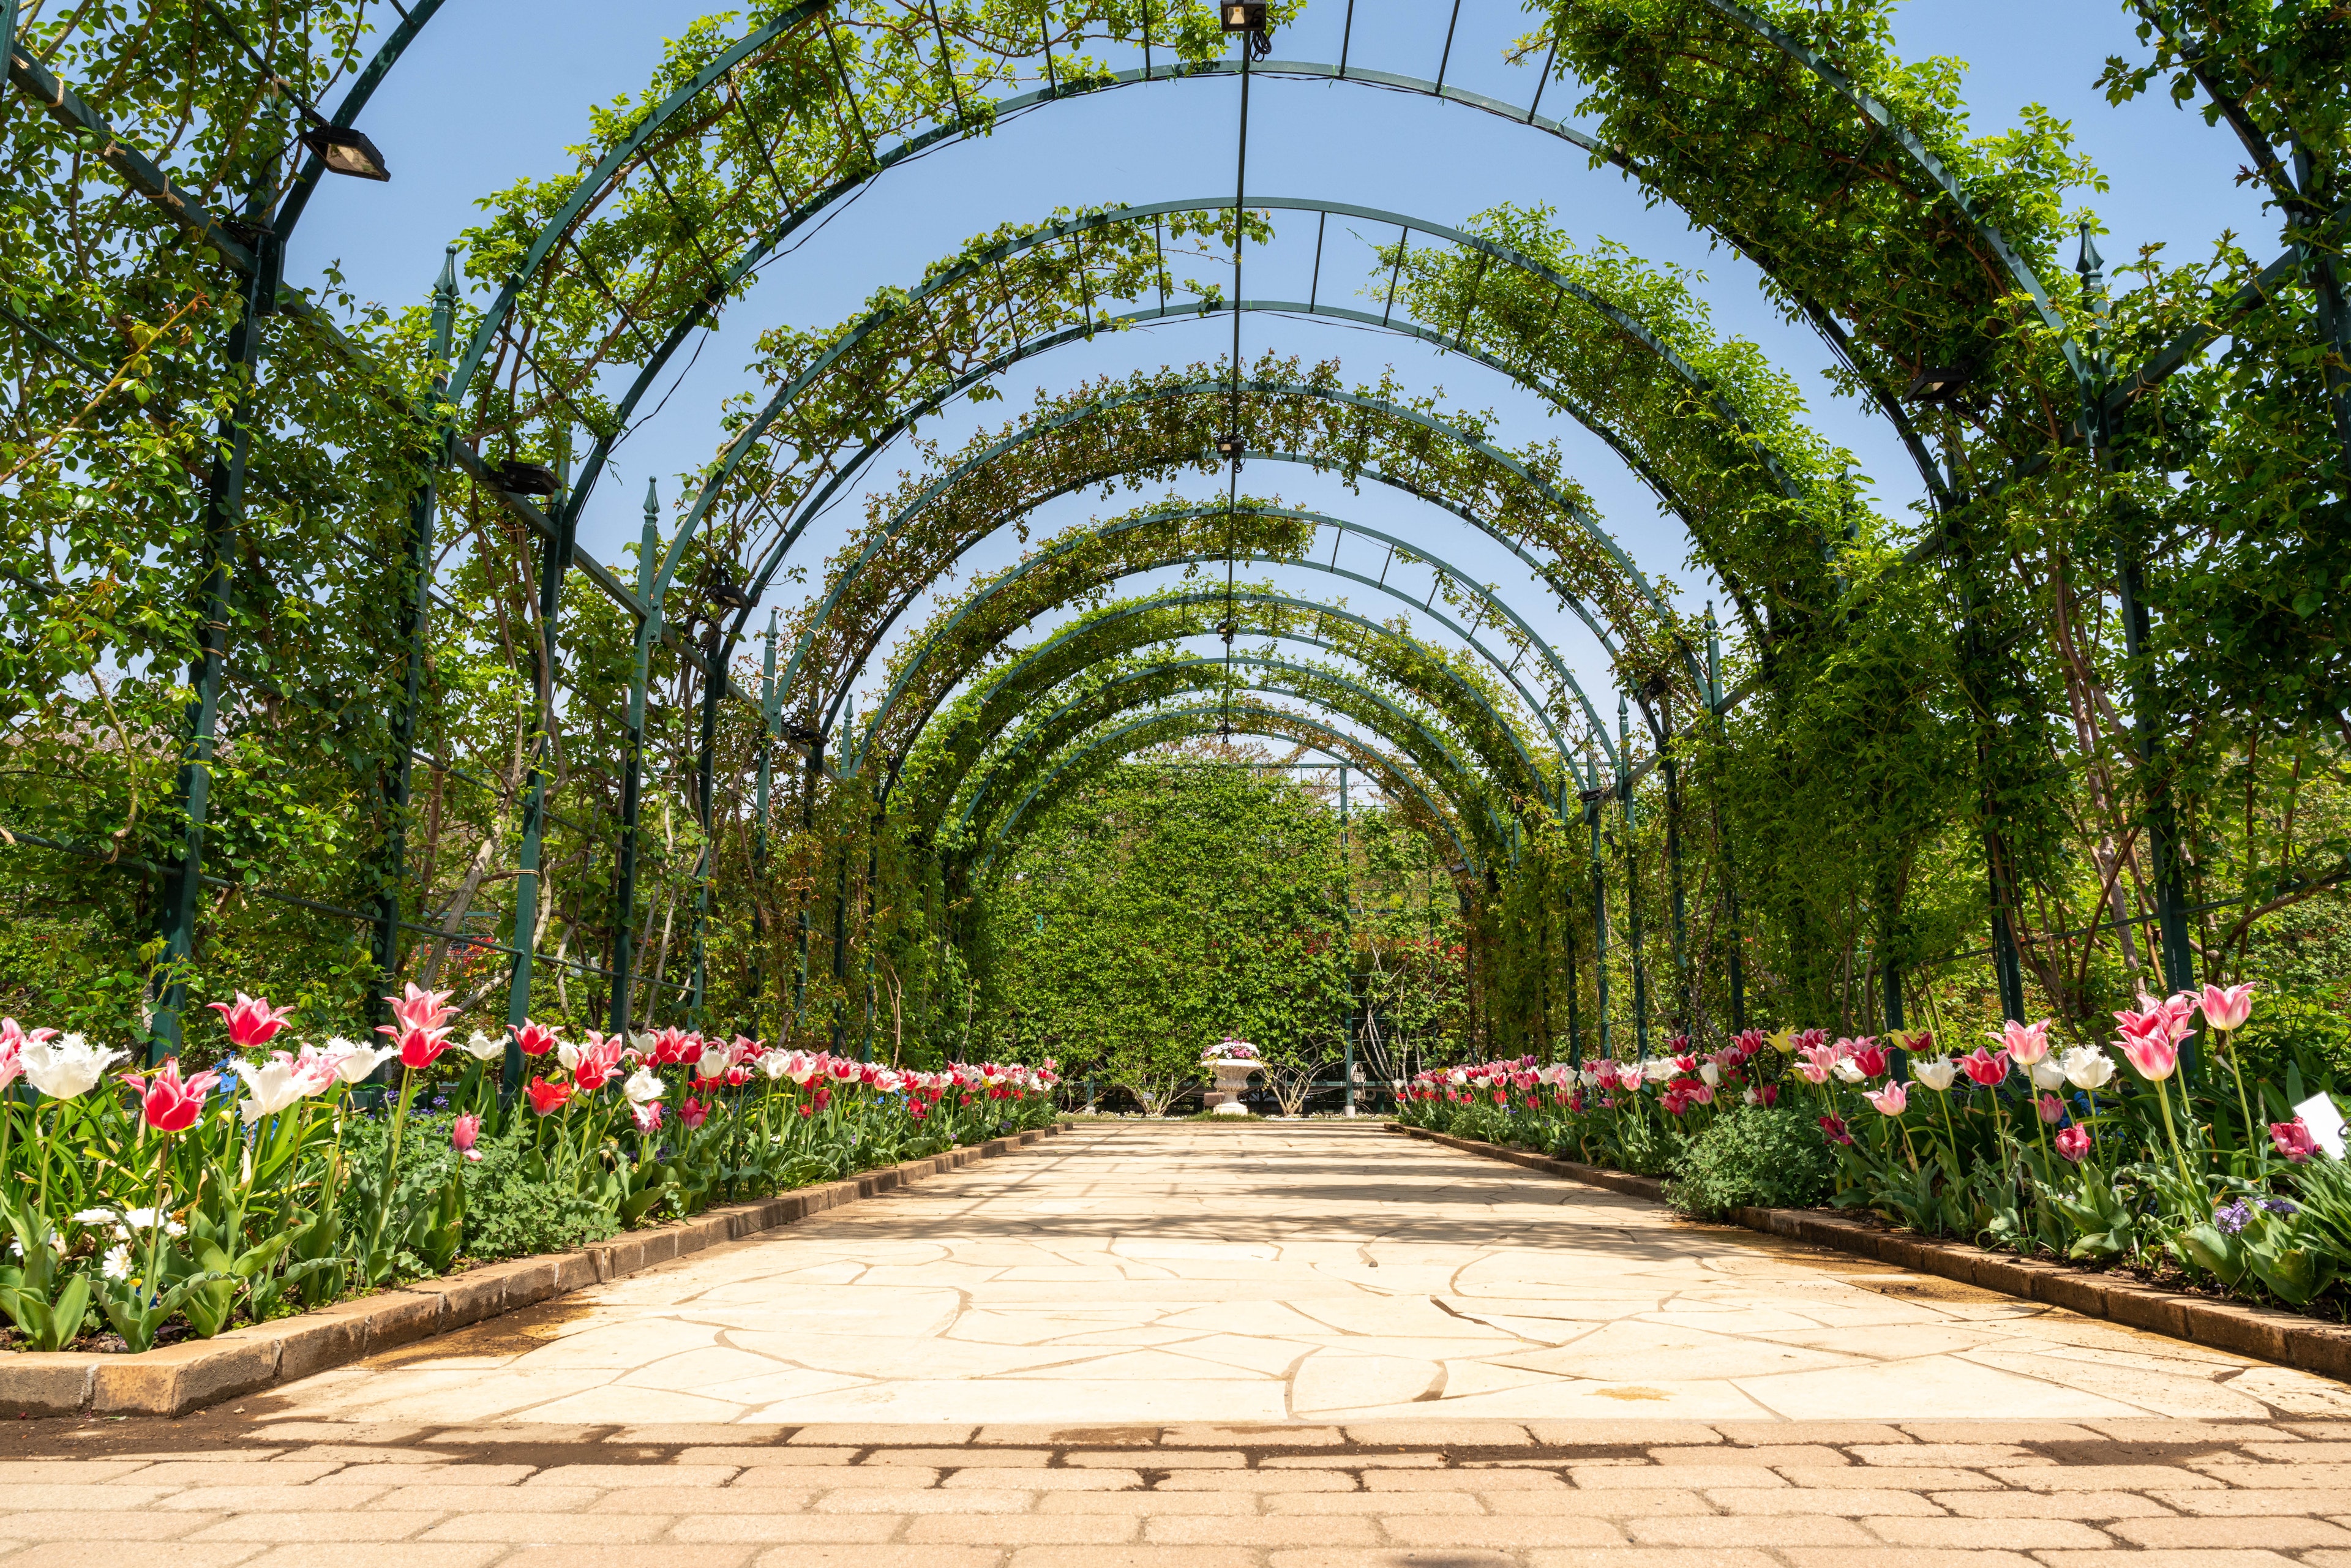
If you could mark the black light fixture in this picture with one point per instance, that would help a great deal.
(1229, 448)
(518, 478)
(1939, 384)
(801, 734)
(724, 591)
(1248, 19)
(343, 150)
(1225, 629)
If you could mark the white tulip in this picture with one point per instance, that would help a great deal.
(642, 1087)
(715, 1060)
(2087, 1067)
(482, 1048)
(274, 1086)
(1709, 1074)
(67, 1067)
(1935, 1073)
(1848, 1069)
(353, 1062)
(2048, 1074)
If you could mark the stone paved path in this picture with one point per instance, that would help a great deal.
(1211, 1347)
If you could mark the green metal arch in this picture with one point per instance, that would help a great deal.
(1568, 507)
(1487, 598)
(978, 263)
(1115, 614)
(1450, 764)
(1265, 720)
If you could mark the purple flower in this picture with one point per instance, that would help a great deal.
(2235, 1217)
(2281, 1206)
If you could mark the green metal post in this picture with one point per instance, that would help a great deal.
(223, 512)
(759, 829)
(706, 783)
(840, 904)
(633, 765)
(415, 625)
(2146, 698)
(555, 561)
(1632, 878)
(1593, 795)
(1347, 939)
(1684, 990)
(809, 779)
(1738, 966)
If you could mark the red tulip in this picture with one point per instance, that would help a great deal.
(535, 1039)
(694, 1112)
(1985, 1066)
(252, 1023)
(420, 1048)
(546, 1097)
(1833, 1129)
(169, 1104)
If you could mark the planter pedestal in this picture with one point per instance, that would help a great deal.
(1232, 1077)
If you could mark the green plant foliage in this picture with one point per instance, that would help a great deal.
(1759, 1158)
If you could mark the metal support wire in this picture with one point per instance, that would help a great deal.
(1446, 60)
(1543, 80)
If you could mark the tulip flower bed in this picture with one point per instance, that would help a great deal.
(147, 1206)
(2108, 1157)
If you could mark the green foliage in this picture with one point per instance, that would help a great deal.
(1757, 1156)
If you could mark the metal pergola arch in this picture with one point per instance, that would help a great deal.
(423, 10)
(1563, 504)
(1487, 599)
(1095, 626)
(1412, 732)
(979, 264)
(1262, 719)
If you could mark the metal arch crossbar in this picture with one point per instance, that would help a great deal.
(1095, 625)
(1266, 720)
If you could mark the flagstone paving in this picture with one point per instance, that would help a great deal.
(1318, 1273)
(1214, 1347)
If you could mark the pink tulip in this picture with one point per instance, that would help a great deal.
(2293, 1138)
(1814, 1061)
(418, 1009)
(14, 1038)
(1865, 1053)
(2053, 1110)
(2153, 1055)
(463, 1134)
(2074, 1143)
(649, 1115)
(2228, 1009)
(694, 1112)
(598, 1059)
(169, 1104)
(2025, 1043)
(1985, 1066)
(1891, 1100)
(252, 1024)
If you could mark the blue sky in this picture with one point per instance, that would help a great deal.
(496, 89)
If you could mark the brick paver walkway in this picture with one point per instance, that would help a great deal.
(1211, 1347)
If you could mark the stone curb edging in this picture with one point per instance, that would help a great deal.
(2236, 1328)
(178, 1378)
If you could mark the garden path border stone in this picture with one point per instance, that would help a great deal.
(174, 1379)
(2261, 1332)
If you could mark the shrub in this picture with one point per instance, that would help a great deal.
(1757, 1156)
(507, 1215)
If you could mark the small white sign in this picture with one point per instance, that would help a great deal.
(2324, 1121)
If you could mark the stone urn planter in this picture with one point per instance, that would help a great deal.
(1232, 1078)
